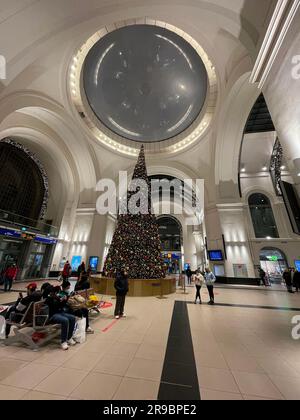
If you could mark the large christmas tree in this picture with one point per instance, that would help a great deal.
(136, 245)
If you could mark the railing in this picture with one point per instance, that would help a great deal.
(24, 223)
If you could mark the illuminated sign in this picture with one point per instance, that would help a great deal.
(49, 241)
(10, 233)
(272, 258)
(215, 255)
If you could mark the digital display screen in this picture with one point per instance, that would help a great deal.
(297, 265)
(76, 261)
(93, 263)
(215, 255)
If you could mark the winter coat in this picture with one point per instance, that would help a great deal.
(121, 285)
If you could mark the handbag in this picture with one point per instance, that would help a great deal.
(80, 334)
(77, 302)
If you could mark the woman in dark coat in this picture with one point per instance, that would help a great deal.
(122, 287)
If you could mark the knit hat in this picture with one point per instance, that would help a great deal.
(32, 286)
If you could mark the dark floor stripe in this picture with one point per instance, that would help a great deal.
(179, 379)
(272, 308)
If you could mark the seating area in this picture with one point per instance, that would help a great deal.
(33, 329)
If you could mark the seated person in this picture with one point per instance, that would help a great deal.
(22, 304)
(80, 313)
(58, 316)
(83, 282)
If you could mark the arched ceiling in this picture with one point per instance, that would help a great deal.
(222, 21)
(39, 38)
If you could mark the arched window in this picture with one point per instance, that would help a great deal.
(22, 186)
(262, 216)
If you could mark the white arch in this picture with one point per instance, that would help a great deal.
(236, 110)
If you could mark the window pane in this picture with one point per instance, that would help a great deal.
(262, 217)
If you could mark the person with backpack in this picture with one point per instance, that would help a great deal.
(122, 287)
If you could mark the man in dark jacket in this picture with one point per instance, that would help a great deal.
(122, 287)
(189, 275)
(20, 307)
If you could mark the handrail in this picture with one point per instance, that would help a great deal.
(25, 223)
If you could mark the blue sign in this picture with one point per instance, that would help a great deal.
(93, 263)
(176, 257)
(75, 263)
(10, 233)
(186, 266)
(297, 265)
(215, 255)
(49, 241)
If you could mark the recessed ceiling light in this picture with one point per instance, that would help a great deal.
(243, 170)
(282, 168)
(265, 168)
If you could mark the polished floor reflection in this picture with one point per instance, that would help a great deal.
(239, 352)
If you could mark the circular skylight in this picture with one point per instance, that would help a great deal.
(145, 83)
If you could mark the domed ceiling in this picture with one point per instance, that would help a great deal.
(145, 83)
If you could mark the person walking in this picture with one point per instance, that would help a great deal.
(210, 280)
(189, 275)
(287, 277)
(199, 281)
(122, 287)
(296, 280)
(262, 276)
(67, 270)
(10, 275)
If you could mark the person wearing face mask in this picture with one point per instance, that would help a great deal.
(80, 313)
(122, 288)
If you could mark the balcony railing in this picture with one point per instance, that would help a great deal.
(24, 223)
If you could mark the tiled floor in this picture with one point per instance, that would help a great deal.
(240, 353)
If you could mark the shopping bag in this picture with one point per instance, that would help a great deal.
(2, 328)
(80, 335)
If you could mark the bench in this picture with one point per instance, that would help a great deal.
(34, 320)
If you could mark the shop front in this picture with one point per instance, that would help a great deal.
(273, 262)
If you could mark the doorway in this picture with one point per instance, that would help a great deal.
(273, 261)
(170, 233)
(10, 251)
(35, 261)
